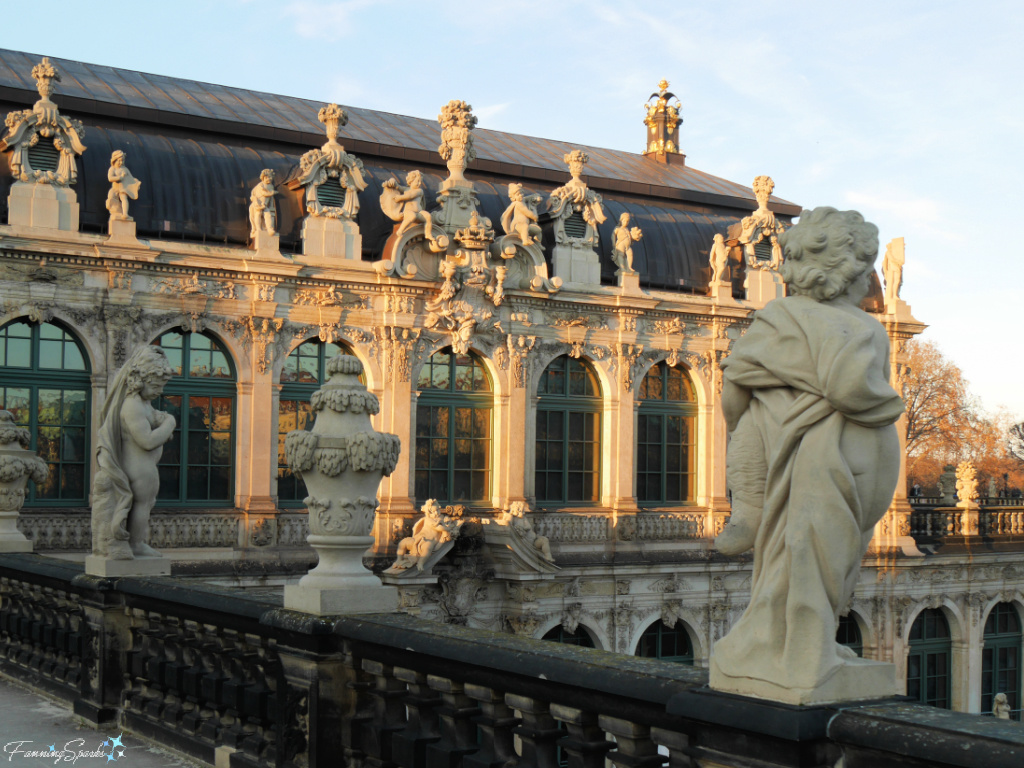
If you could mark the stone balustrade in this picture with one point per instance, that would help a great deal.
(229, 677)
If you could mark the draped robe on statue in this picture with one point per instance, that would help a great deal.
(805, 370)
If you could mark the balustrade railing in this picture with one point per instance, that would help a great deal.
(239, 681)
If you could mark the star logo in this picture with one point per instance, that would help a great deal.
(53, 747)
(117, 742)
(111, 757)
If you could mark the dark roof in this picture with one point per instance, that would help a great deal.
(199, 149)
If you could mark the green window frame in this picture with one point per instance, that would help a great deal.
(303, 374)
(666, 643)
(1000, 658)
(929, 660)
(567, 460)
(666, 438)
(453, 429)
(848, 634)
(580, 636)
(197, 463)
(45, 383)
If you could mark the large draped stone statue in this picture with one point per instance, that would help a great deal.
(131, 438)
(812, 466)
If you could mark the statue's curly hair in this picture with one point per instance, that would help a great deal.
(148, 363)
(826, 251)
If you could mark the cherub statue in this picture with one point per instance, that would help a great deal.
(436, 528)
(262, 208)
(1001, 707)
(515, 518)
(622, 244)
(407, 204)
(131, 438)
(892, 269)
(122, 187)
(719, 258)
(520, 218)
(813, 459)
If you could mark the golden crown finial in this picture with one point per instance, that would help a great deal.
(663, 85)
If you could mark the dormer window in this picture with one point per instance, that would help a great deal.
(43, 156)
(575, 226)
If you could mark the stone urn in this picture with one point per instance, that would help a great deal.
(342, 461)
(17, 465)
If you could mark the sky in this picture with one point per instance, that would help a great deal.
(910, 112)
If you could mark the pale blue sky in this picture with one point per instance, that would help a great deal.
(911, 112)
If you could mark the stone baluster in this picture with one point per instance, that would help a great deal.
(355, 722)
(538, 732)
(633, 745)
(387, 693)
(458, 731)
(408, 747)
(496, 723)
(678, 746)
(585, 746)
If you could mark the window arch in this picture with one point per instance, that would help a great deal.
(666, 456)
(1000, 658)
(929, 669)
(848, 634)
(453, 429)
(196, 464)
(301, 376)
(579, 636)
(667, 644)
(568, 448)
(45, 382)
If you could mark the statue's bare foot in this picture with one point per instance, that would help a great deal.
(142, 549)
(736, 538)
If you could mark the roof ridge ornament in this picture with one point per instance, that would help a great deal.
(39, 129)
(662, 121)
(457, 123)
(331, 162)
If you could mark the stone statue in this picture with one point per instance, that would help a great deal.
(622, 244)
(520, 218)
(407, 204)
(515, 518)
(18, 465)
(431, 533)
(1001, 707)
(262, 208)
(123, 186)
(131, 438)
(812, 466)
(719, 259)
(761, 225)
(892, 269)
(967, 485)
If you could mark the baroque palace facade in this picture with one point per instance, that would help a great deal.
(542, 323)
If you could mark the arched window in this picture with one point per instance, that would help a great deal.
(1000, 659)
(453, 429)
(665, 437)
(302, 375)
(929, 670)
(578, 637)
(45, 383)
(660, 642)
(848, 634)
(567, 465)
(196, 464)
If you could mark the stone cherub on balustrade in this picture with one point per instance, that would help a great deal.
(123, 187)
(520, 218)
(432, 536)
(407, 205)
(623, 238)
(515, 518)
(262, 208)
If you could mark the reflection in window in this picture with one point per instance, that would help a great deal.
(195, 466)
(568, 447)
(301, 376)
(665, 437)
(44, 382)
(453, 429)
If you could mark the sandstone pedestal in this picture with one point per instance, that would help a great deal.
(762, 286)
(578, 266)
(42, 206)
(340, 583)
(330, 242)
(267, 247)
(855, 680)
(721, 292)
(140, 566)
(123, 231)
(629, 282)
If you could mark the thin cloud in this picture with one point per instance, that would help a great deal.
(324, 21)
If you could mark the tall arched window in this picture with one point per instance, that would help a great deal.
(195, 467)
(665, 437)
(579, 636)
(848, 634)
(302, 375)
(567, 464)
(45, 383)
(1000, 658)
(453, 429)
(929, 669)
(661, 642)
